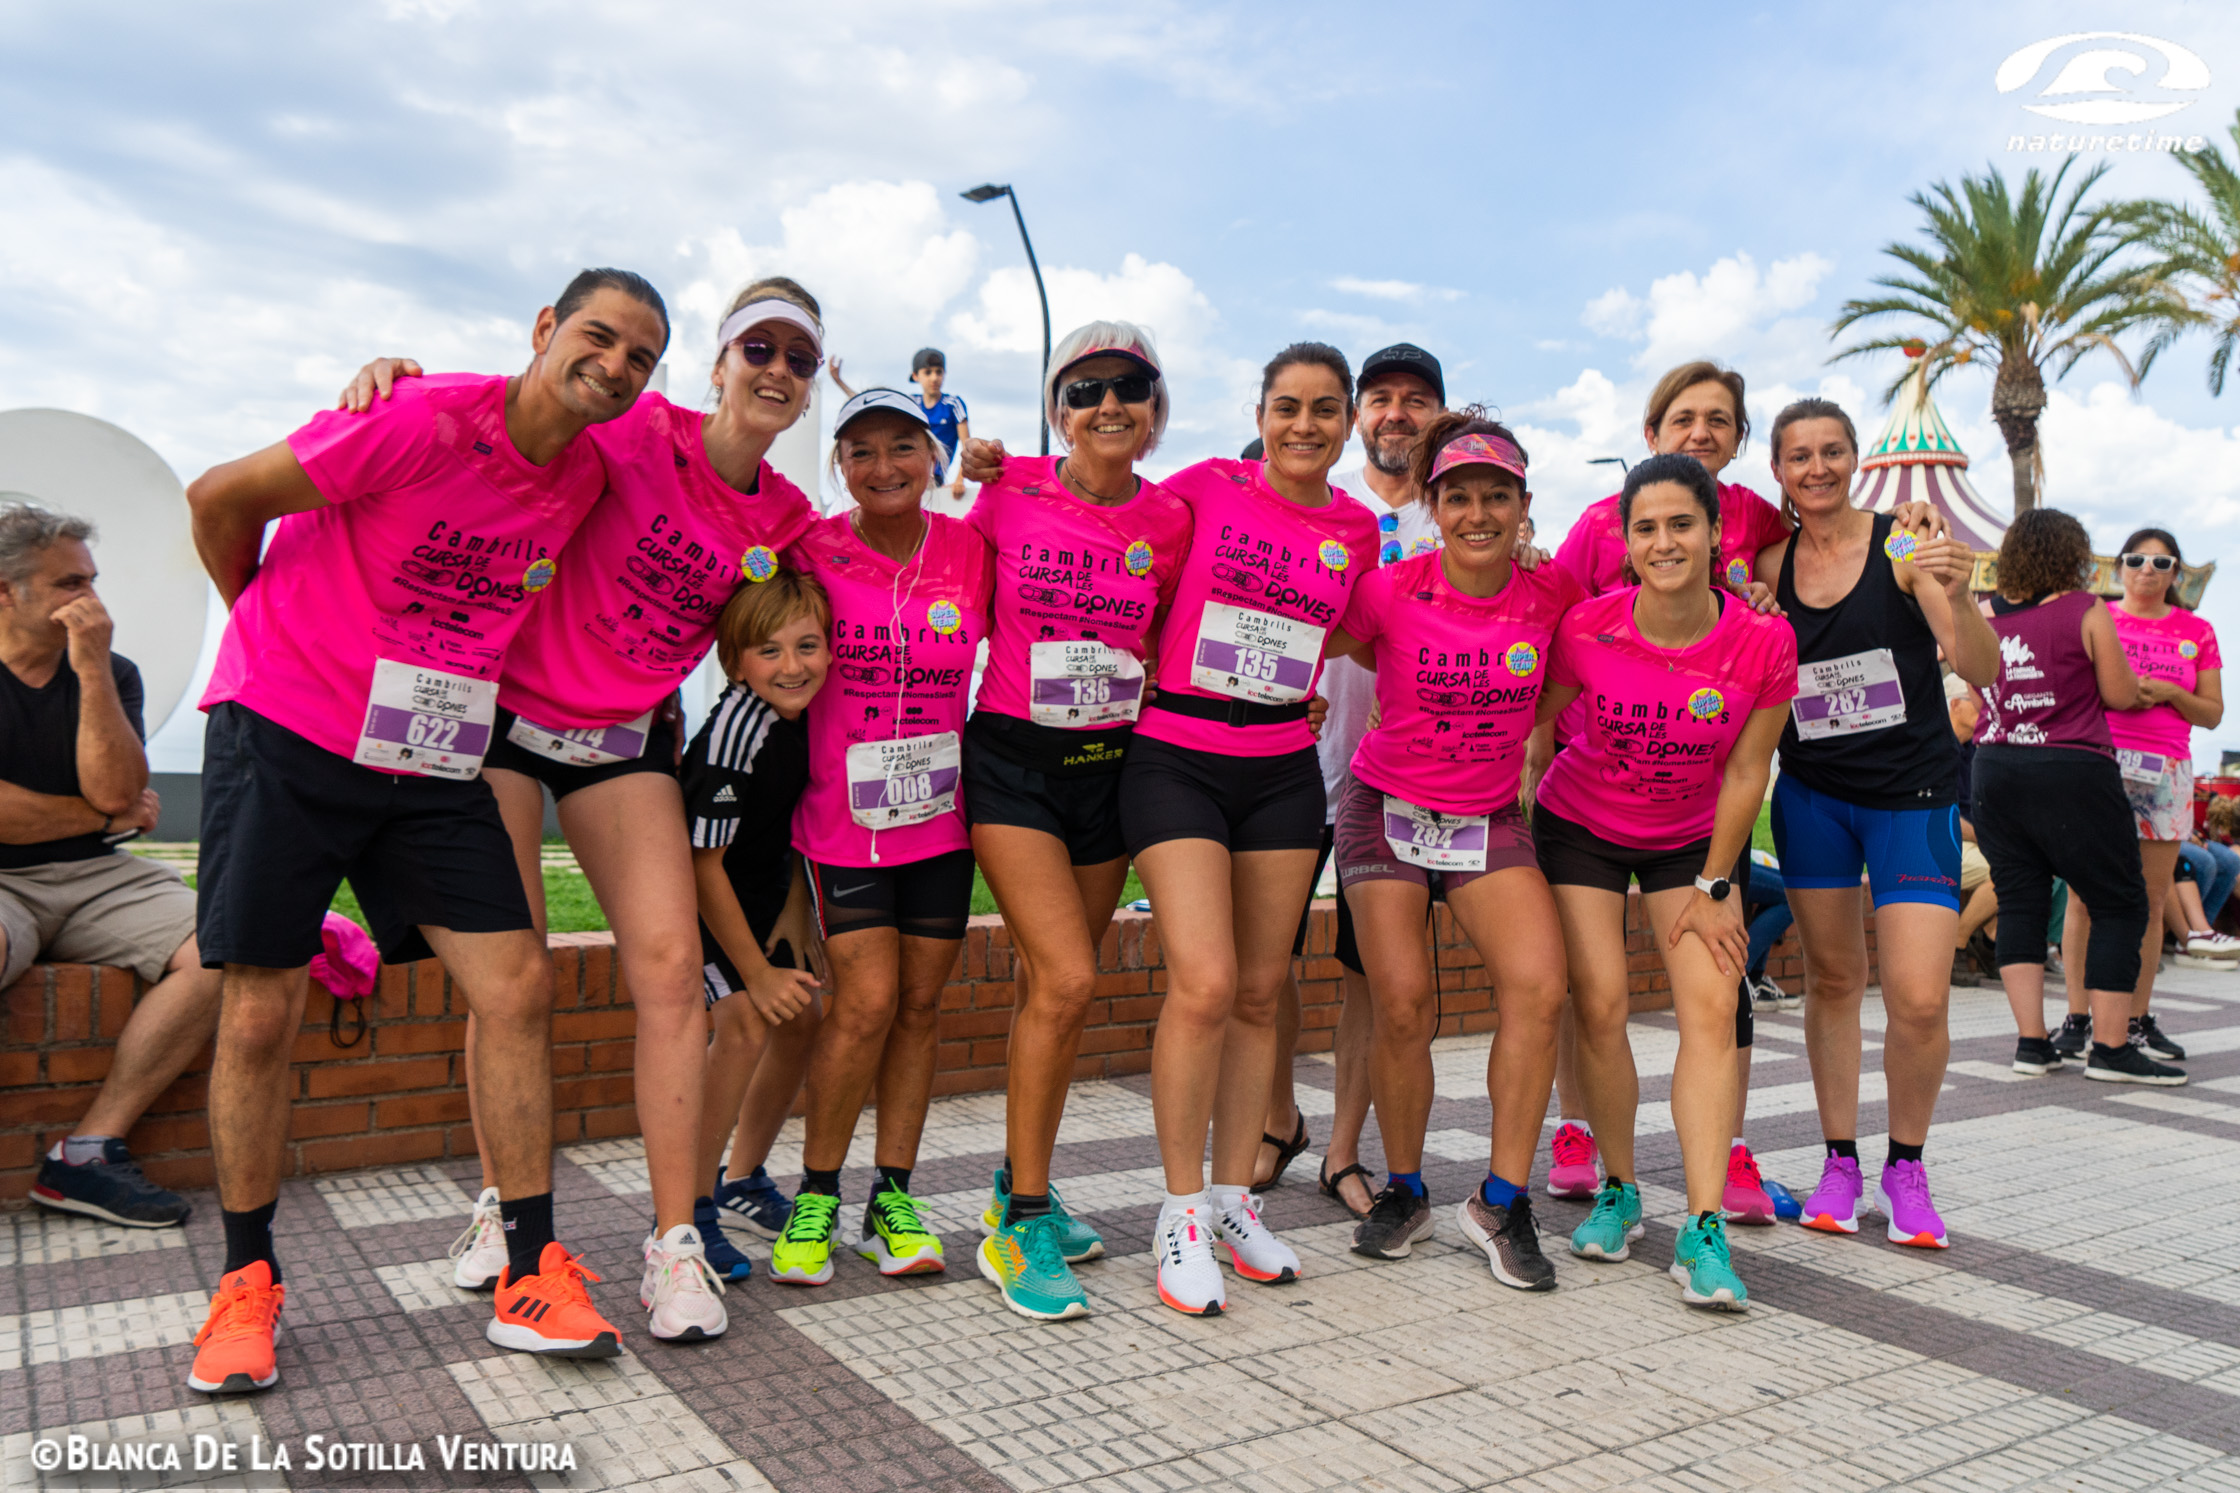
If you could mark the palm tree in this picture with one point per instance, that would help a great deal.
(2202, 250)
(2021, 282)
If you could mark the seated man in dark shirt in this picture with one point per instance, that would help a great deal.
(73, 783)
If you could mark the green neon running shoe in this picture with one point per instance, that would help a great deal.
(1609, 1230)
(895, 1238)
(1023, 1260)
(803, 1254)
(1076, 1240)
(1703, 1267)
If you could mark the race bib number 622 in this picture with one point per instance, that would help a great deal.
(424, 720)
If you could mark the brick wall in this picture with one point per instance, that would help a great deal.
(399, 1093)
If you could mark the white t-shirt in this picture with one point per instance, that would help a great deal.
(1349, 687)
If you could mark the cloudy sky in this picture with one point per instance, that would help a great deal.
(215, 212)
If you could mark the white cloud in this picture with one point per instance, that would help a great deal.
(1393, 290)
(1731, 312)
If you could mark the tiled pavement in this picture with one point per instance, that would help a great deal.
(2083, 1332)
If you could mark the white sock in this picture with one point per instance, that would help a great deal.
(78, 1150)
(1739, 1141)
(1175, 1202)
(1580, 1124)
(1229, 1199)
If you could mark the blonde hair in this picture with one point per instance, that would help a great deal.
(758, 609)
(771, 288)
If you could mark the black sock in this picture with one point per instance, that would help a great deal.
(528, 1230)
(249, 1239)
(1904, 1153)
(823, 1183)
(896, 1177)
(1026, 1205)
(1003, 1178)
(1847, 1149)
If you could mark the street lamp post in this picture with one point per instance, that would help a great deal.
(989, 193)
(1603, 461)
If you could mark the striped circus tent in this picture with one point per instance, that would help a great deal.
(1916, 458)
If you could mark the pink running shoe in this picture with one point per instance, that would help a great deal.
(1574, 1170)
(1745, 1200)
(1903, 1197)
(1833, 1207)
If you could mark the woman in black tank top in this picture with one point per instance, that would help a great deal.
(1868, 778)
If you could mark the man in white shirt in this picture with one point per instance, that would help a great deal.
(1397, 393)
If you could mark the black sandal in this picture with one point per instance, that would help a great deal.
(1330, 1185)
(1287, 1151)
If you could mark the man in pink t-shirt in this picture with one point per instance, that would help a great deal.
(350, 707)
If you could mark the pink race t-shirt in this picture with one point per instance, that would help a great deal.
(634, 608)
(1659, 723)
(2175, 647)
(1071, 575)
(903, 637)
(436, 536)
(1265, 582)
(1595, 549)
(1458, 678)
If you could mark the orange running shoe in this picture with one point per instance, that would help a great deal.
(551, 1312)
(236, 1342)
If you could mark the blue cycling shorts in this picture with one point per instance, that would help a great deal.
(1909, 855)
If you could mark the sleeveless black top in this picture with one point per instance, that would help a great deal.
(1868, 725)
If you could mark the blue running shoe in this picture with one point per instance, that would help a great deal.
(723, 1256)
(754, 1203)
(111, 1189)
(1785, 1207)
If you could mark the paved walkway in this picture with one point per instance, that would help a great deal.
(2083, 1332)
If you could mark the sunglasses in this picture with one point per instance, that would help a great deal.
(2141, 562)
(1088, 393)
(759, 351)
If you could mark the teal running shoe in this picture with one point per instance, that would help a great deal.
(1612, 1226)
(1024, 1262)
(1076, 1240)
(1703, 1267)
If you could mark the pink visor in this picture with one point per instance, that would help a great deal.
(1474, 449)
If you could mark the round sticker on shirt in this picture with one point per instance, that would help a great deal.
(1900, 545)
(539, 575)
(1521, 659)
(1706, 703)
(1138, 558)
(2189, 649)
(1335, 555)
(1738, 573)
(943, 617)
(758, 563)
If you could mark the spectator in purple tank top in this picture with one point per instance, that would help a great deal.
(2049, 800)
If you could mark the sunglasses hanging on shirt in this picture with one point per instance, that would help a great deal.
(1088, 393)
(758, 352)
(2141, 562)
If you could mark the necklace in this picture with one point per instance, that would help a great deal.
(1089, 492)
(855, 522)
(1671, 664)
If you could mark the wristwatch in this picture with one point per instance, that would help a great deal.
(1715, 890)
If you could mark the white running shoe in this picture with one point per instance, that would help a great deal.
(2212, 945)
(1189, 1280)
(1256, 1253)
(481, 1250)
(681, 1290)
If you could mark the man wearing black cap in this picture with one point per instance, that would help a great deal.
(1397, 393)
(952, 426)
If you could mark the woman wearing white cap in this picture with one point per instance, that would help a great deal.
(693, 510)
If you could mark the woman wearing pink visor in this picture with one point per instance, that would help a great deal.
(693, 510)
(1087, 555)
(1459, 639)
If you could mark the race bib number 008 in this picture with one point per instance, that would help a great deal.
(1255, 656)
(892, 784)
(424, 720)
(1842, 696)
(1435, 841)
(585, 746)
(1082, 683)
(2141, 767)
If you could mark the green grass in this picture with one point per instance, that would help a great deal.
(1761, 838)
(984, 901)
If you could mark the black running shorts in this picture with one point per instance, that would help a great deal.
(1170, 792)
(563, 779)
(926, 899)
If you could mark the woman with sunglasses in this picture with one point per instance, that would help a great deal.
(1086, 557)
(2181, 686)
(1868, 775)
(880, 826)
(1458, 637)
(693, 510)
(1686, 689)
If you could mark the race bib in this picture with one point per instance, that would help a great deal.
(585, 746)
(2141, 767)
(1254, 656)
(1435, 841)
(896, 783)
(1842, 696)
(423, 720)
(1082, 683)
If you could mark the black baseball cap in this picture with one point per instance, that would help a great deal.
(1403, 357)
(930, 357)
